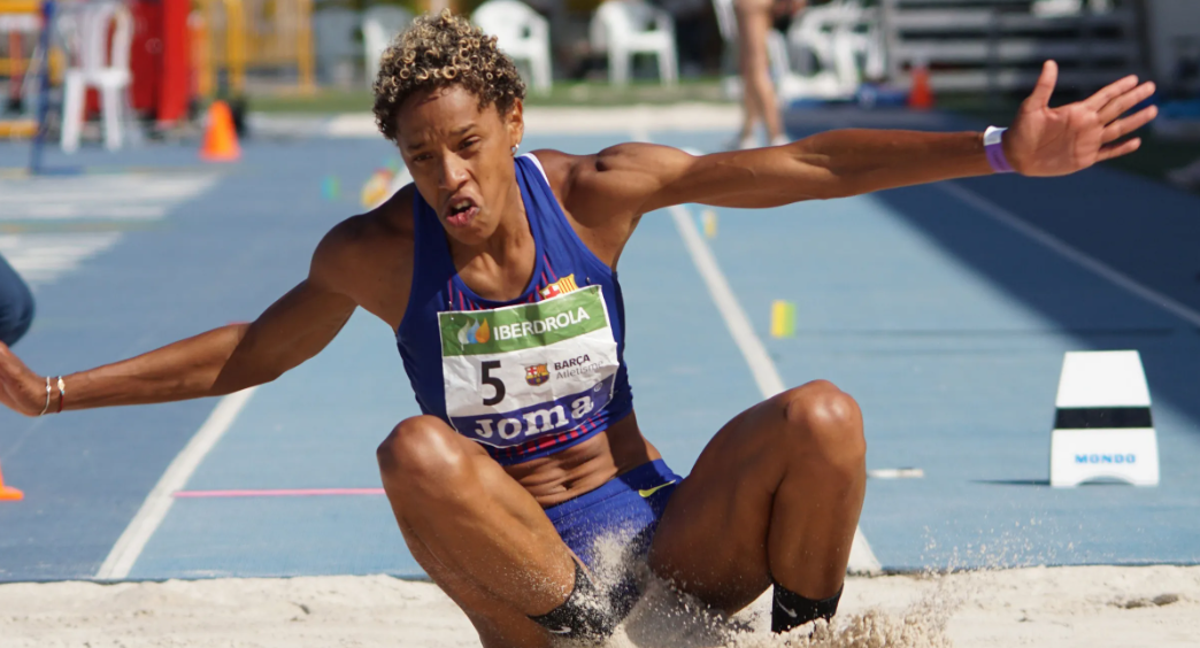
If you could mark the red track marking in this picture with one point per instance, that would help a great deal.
(294, 492)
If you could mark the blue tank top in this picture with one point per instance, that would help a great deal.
(528, 377)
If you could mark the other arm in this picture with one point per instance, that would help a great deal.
(214, 363)
(1042, 141)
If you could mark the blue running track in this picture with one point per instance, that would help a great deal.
(948, 325)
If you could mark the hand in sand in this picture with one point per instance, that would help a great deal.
(1045, 141)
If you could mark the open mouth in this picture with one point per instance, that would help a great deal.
(461, 212)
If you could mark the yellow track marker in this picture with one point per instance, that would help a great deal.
(783, 319)
(375, 191)
(708, 219)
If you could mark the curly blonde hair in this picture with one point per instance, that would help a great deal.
(438, 51)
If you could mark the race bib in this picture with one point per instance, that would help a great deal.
(520, 372)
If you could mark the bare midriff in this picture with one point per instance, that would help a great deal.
(585, 466)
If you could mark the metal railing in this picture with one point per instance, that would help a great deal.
(999, 45)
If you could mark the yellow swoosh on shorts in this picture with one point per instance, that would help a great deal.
(647, 492)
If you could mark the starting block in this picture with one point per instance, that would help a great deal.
(1103, 429)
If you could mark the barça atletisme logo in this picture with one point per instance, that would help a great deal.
(537, 374)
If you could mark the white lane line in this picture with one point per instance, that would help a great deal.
(158, 503)
(1054, 243)
(126, 196)
(42, 258)
(862, 558)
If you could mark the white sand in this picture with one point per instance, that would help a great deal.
(1059, 607)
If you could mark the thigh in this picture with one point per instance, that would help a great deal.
(713, 534)
(475, 531)
(499, 624)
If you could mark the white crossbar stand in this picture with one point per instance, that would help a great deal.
(1103, 429)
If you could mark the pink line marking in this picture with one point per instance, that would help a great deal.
(294, 492)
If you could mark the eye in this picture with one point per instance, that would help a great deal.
(468, 143)
(421, 157)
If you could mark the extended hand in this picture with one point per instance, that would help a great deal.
(20, 389)
(1045, 141)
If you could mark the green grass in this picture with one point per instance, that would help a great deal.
(325, 101)
(600, 93)
(579, 93)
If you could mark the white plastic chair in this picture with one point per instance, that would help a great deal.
(521, 33)
(335, 47)
(100, 66)
(1060, 8)
(829, 32)
(627, 27)
(380, 24)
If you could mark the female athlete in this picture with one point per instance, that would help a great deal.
(497, 273)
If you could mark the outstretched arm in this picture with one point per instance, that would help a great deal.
(1042, 141)
(217, 362)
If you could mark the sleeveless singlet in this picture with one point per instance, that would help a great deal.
(528, 377)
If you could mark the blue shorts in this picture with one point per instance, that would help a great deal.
(627, 507)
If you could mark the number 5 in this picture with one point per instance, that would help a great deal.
(495, 382)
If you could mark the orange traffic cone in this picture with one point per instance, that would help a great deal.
(920, 97)
(8, 492)
(220, 138)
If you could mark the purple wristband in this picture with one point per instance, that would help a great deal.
(994, 149)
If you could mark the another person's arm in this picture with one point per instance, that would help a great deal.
(1042, 141)
(214, 363)
(16, 305)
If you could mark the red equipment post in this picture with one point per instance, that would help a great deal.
(175, 91)
(161, 60)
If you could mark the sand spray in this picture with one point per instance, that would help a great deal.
(664, 617)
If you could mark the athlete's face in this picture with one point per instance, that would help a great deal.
(460, 156)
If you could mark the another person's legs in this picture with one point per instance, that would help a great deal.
(774, 498)
(16, 305)
(758, 91)
(481, 536)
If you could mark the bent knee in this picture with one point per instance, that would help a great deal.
(420, 449)
(824, 420)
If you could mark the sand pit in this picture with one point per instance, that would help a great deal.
(1058, 607)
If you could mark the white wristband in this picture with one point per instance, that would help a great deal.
(993, 147)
